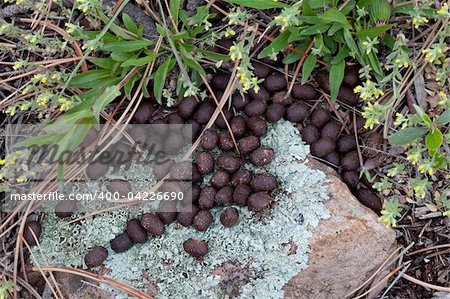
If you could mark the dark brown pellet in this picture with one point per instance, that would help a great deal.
(297, 112)
(331, 130)
(323, 80)
(197, 177)
(320, 117)
(202, 220)
(195, 248)
(261, 156)
(204, 112)
(257, 126)
(373, 145)
(209, 140)
(173, 143)
(239, 102)
(264, 182)
(351, 75)
(261, 70)
(186, 218)
(248, 144)
(187, 107)
(195, 193)
(238, 126)
(96, 170)
(167, 211)
(282, 98)
(346, 143)
(242, 176)
(305, 92)
(136, 231)
(205, 162)
(259, 201)
(219, 81)
(65, 208)
(152, 224)
(143, 113)
(220, 179)
(160, 127)
(275, 82)
(175, 121)
(121, 243)
(275, 112)
(229, 217)
(162, 167)
(96, 256)
(224, 196)
(228, 162)
(255, 108)
(310, 134)
(347, 96)
(350, 161)
(225, 141)
(262, 94)
(121, 187)
(351, 178)
(191, 131)
(370, 199)
(220, 121)
(206, 198)
(322, 147)
(181, 171)
(28, 230)
(241, 194)
(333, 158)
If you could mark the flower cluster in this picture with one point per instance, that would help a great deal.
(288, 17)
(389, 214)
(373, 113)
(369, 90)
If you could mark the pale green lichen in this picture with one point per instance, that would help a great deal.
(263, 244)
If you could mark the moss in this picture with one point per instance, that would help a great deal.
(262, 243)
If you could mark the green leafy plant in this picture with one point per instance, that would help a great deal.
(419, 128)
(128, 49)
(390, 213)
(328, 26)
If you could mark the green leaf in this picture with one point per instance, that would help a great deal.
(433, 140)
(89, 79)
(259, 4)
(193, 65)
(140, 61)
(444, 118)
(315, 29)
(160, 77)
(39, 140)
(344, 52)
(213, 55)
(104, 63)
(126, 46)
(334, 15)
(107, 97)
(174, 9)
(407, 135)
(308, 67)
(123, 56)
(129, 23)
(66, 121)
(372, 32)
(278, 44)
(336, 77)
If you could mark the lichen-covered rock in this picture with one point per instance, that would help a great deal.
(345, 249)
(274, 253)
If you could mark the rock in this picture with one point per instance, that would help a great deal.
(346, 249)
